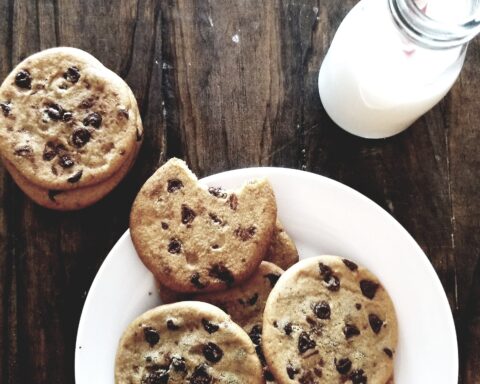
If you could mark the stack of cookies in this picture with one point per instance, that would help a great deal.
(234, 315)
(70, 128)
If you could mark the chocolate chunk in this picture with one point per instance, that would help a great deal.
(343, 365)
(273, 277)
(388, 352)
(164, 225)
(72, 74)
(322, 310)
(80, 137)
(5, 109)
(375, 322)
(175, 246)
(233, 201)
(174, 185)
(67, 116)
(77, 176)
(200, 375)
(288, 329)
(209, 326)
(195, 280)
(217, 192)
(256, 334)
(215, 218)
(291, 372)
(178, 364)
(151, 336)
(188, 214)
(24, 151)
(305, 342)
(54, 111)
(52, 193)
(94, 119)
(220, 272)
(350, 330)
(171, 325)
(358, 306)
(369, 288)
(156, 377)
(212, 352)
(358, 377)
(350, 265)
(66, 161)
(23, 79)
(245, 234)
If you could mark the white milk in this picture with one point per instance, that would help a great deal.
(373, 82)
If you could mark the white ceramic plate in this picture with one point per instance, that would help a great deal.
(322, 216)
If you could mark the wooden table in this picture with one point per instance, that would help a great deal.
(226, 84)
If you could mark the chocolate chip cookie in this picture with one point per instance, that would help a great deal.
(188, 342)
(329, 320)
(198, 239)
(282, 250)
(66, 121)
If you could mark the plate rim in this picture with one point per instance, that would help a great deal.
(308, 175)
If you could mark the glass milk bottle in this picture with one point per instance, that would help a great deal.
(392, 60)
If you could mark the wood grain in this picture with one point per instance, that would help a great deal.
(226, 84)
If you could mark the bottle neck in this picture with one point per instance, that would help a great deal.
(431, 33)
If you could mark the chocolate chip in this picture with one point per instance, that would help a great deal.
(256, 334)
(195, 280)
(54, 111)
(305, 342)
(322, 310)
(67, 116)
(77, 176)
(80, 137)
(123, 113)
(87, 103)
(267, 375)
(350, 265)
(151, 336)
(212, 352)
(200, 375)
(273, 278)
(325, 270)
(331, 281)
(217, 192)
(369, 288)
(5, 109)
(72, 74)
(171, 325)
(350, 330)
(375, 322)
(215, 246)
(343, 365)
(288, 329)
(233, 201)
(188, 214)
(358, 306)
(175, 246)
(23, 79)
(164, 225)
(209, 326)
(388, 352)
(358, 377)
(291, 372)
(94, 119)
(174, 185)
(49, 151)
(310, 320)
(215, 218)
(219, 271)
(178, 364)
(66, 161)
(23, 151)
(245, 234)
(156, 377)
(52, 193)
